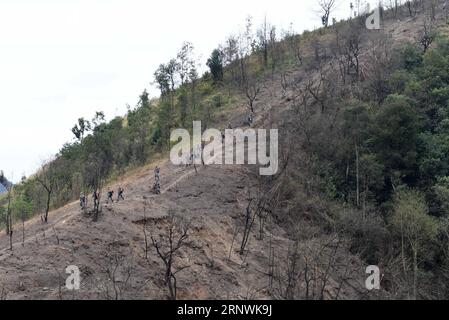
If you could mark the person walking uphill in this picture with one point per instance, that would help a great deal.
(157, 181)
(83, 201)
(120, 194)
(110, 195)
(157, 172)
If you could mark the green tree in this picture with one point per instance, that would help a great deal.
(215, 64)
(415, 227)
(394, 140)
(139, 125)
(80, 129)
(22, 207)
(97, 157)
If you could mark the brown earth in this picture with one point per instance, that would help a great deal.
(213, 200)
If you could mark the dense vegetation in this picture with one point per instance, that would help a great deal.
(371, 132)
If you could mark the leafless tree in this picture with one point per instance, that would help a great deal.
(412, 7)
(307, 270)
(47, 178)
(326, 8)
(260, 206)
(116, 279)
(252, 90)
(168, 246)
(316, 88)
(250, 217)
(9, 224)
(119, 272)
(426, 36)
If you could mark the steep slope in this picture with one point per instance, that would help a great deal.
(111, 252)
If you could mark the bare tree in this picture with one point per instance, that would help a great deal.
(326, 8)
(167, 248)
(426, 36)
(9, 225)
(117, 275)
(250, 217)
(252, 90)
(412, 7)
(260, 207)
(47, 178)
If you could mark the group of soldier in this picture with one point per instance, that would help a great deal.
(120, 192)
(157, 179)
(198, 154)
(96, 197)
(119, 195)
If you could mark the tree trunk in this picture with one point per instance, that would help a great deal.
(48, 207)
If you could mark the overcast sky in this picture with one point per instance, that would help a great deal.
(61, 60)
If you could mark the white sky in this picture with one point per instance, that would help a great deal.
(61, 60)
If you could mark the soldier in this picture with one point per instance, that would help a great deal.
(120, 194)
(157, 182)
(199, 152)
(83, 201)
(110, 195)
(157, 188)
(157, 172)
(250, 120)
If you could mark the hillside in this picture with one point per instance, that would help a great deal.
(214, 200)
(363, 180)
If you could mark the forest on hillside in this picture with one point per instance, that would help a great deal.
(365, 137)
